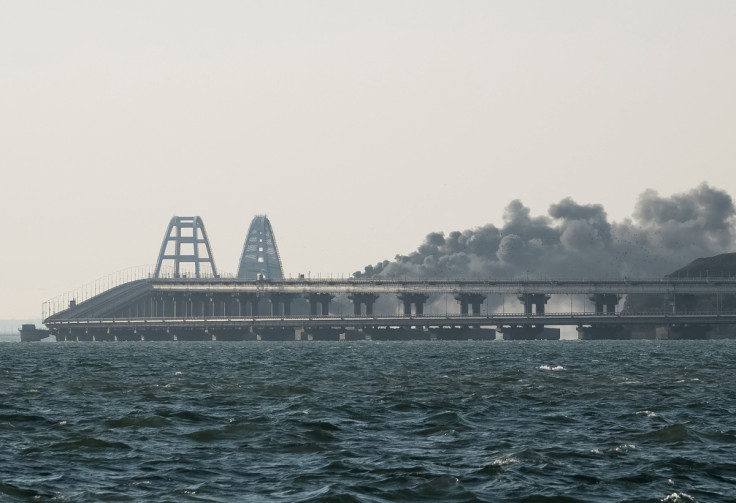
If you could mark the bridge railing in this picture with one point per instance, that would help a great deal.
(104, 283)
(491, 317)
(100, 285)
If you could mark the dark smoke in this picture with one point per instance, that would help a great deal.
(577, 241)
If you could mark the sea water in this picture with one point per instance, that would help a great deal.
(536, 421)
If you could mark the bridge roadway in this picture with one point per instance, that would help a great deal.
(497, 319)
(666, 286)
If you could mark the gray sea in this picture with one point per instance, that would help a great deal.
(535, 421)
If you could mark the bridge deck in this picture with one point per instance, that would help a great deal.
(509, 287)
(506, 319)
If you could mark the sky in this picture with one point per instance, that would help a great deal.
(358, 127)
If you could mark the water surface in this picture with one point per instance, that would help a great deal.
(536, 421)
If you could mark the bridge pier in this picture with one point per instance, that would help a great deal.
(167, 306)
(319, 299)
(472, 300)
(360, 299)
(231, 307)
(218, 304)
(534, 302)
(605, 302)
(281, 303)
(195, 305)
(418, 299)
(247, 304)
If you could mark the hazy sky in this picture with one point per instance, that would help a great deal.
(357, 127)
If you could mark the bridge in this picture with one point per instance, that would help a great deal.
(259, 303)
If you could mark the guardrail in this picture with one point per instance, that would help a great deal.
(94, 288)
(104, 283)
(568, 318)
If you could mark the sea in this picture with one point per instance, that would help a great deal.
(368, 421)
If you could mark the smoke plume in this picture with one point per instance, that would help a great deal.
(577, 241)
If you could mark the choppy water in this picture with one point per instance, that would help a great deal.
(365, 421)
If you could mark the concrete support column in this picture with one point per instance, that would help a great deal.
(233, 305)
(248, 304)
(605, 302)
(359, 299)
(321, 299)
(473, 300)
(171, 310)
(221, 304)
(281, 303)
(534, 302)
(541, 301)
(418, 299)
